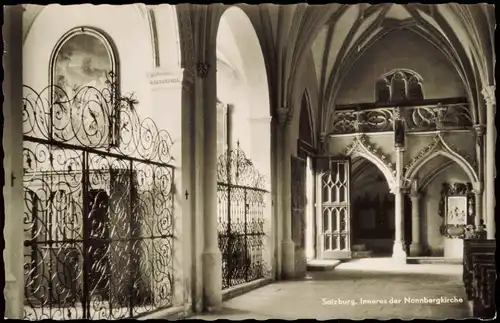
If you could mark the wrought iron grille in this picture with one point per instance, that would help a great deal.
(241, 211)
(98, 215)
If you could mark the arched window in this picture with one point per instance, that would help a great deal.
(84, 80)
(399, 86)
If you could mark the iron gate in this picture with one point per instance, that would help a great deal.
(98, 206)
(241, 205)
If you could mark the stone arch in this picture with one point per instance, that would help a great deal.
(165, 36)
(240, 60)
(133, 45)
(93, 33)
(361, 147)
(439, 148)
(32, 11)
(429, 177)
(252, 65)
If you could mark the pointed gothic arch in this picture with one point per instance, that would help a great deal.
(439, 147)
(361, 147)
(430, 176)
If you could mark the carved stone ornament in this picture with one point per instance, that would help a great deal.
(361, 144)
(186, 38)
(397, 114)
(489, 95)
(202, 69)
(322, 137)
(479, 129)
(437, 144)
(283, 115)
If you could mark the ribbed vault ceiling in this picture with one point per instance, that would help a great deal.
(337, 35)
(462, 32)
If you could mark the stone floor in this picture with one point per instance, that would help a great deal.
(358, 289)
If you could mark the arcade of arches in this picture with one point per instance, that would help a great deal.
(182, 159)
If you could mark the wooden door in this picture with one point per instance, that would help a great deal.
(333, 208)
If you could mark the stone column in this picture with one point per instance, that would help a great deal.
(261, 157)
(479, 130)
(478, 187)
(287, 244)
(478, 218)
(415, 247)
(12, 88)
(277, 229)
(489, 96)
(211, 257)
(166, 86)
(398, 251)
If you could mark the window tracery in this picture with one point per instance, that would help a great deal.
(399, 86)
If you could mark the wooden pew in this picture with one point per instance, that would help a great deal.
(479, 276)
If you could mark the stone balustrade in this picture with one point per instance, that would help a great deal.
(428, 116)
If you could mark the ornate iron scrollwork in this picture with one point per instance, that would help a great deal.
(98, 206)
(241, 224)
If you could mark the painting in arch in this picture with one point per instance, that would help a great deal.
(81, 68)
(83, 60)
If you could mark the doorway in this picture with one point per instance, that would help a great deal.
(333, 208)
(372, 210)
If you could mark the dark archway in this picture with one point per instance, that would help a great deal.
(372, 211)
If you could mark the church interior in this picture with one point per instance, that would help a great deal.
(249, 161)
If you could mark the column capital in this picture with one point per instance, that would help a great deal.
(397, 113)
(479, 129)
(489, 94)
(399, 149)
(323, 139)
(478, 187)
(415, 195)
(396, 189)
(284, 116)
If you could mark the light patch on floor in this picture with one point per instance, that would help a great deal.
(359, 289)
